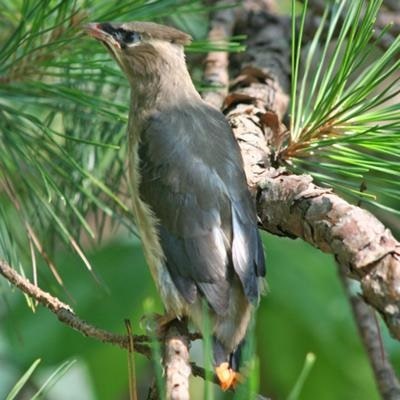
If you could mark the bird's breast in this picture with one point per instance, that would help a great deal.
(146, 223)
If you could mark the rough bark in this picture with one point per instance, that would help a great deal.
(292, 205)
(216, 63)
(176, 361)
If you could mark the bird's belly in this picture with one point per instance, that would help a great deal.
(146, 223)
(172, 300)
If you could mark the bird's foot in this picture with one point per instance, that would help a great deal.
(156, 323)
(228, 378)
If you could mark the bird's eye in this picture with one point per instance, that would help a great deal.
(122, 36)
(132, 37)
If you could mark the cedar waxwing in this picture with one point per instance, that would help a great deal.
(192, 206)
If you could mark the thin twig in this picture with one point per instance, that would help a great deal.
(67, 316)
(131, 362)
(368, 328)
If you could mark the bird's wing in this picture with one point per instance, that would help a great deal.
(192, 178)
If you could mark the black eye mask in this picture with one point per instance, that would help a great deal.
(131, 37)
(123, 36)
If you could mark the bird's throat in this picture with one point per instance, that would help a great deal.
(160, 79)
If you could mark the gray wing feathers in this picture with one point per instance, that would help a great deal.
(195, 264)
(247, 253)
(207, 220)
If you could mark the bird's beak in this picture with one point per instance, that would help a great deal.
(94, 30)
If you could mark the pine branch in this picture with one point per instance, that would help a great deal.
(216, 64)
(293, 206)
(59, 163)
(176, 361)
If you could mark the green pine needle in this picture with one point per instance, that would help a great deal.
(22, 381)
(344, 124)
(305, 372)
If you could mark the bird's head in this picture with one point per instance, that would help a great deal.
(140, 47)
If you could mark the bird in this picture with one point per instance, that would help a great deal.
(190, 200)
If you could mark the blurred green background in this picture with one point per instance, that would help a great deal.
(305, 311)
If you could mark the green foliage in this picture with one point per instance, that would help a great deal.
(21, 382)
(63, 114)
(51, 380)
(208, 353)
(344, 125)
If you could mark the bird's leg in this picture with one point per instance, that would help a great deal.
(228, 377)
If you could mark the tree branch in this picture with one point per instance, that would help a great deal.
(294, 206)
(176, 360)
(66, 315)
(368, 328)
(216, 63)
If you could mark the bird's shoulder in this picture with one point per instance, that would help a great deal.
(195, 140)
